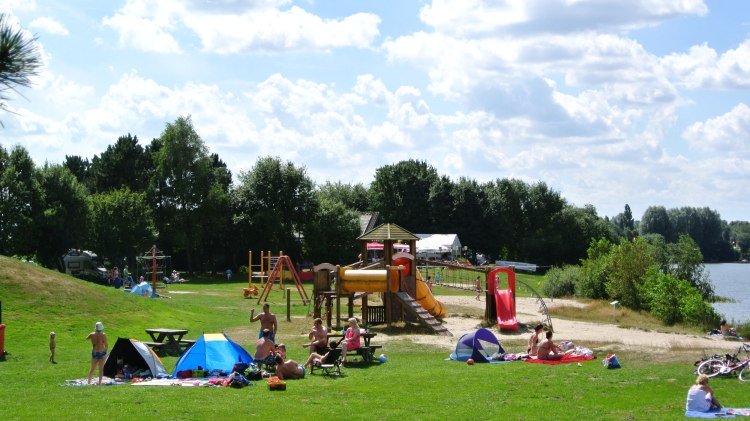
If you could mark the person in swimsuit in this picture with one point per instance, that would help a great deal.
(533, 344)
(99, 350)
(548, 350)
(289, 369)
(316, 358)
(267, 321)
(351, 340)
(479, 289)
(264, 346)
(318, 336)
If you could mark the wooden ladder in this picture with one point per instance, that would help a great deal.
(416, 310)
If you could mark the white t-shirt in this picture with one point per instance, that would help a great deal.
(698, 400)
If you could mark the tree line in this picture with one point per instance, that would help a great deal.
(174, 193)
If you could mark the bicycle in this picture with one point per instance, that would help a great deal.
(730, 364)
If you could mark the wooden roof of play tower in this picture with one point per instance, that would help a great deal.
(388, 232)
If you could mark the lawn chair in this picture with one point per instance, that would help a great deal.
(268, 364)
(331, 363)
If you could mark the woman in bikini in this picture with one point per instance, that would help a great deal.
(99, 350)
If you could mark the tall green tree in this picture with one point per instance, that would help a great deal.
(273, 202)
(123, 164)
(507, 221)
(80, 167)
(217, 238)
(740, 236)
(64, 221)
(655, 220)
(330, 235)
(182, 181)
(20, 59)
(401, 193)
(630, 261)
(19, 202)
(353, 196)
(122, 222)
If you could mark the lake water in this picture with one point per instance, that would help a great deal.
(732, 280)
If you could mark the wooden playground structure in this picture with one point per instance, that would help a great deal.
(272, 269)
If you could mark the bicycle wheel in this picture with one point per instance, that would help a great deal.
(711, 368)
(745, 374)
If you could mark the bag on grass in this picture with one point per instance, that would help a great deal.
(237, 380)
(254, 374)
(275, 383)
(610, 361)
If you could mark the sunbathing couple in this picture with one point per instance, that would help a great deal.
(545, 350)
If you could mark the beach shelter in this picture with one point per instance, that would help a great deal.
(213, 351)
(136, 355)
(479, 345)
(144, 289)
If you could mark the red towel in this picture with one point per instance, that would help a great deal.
(567, 359)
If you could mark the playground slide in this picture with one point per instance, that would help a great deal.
(424, 294)
(506, 310)
(505, 303)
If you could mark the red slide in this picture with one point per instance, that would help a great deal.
(505, 303)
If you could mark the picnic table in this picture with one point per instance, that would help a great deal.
(366, 351)
(169, 340)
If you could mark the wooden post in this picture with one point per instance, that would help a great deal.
(387, 295)
(288, 305)
(350, 305)
(249, 268)
(283, 270)
(338, 296)
(365, 310)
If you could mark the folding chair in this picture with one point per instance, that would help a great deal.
(331, 363)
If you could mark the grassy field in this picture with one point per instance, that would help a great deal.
(415, 383)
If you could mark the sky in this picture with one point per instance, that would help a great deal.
(609, 102)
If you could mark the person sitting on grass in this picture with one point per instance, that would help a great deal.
(351, 340)
(548, 350)
(533, 344)
(318, 336)
(264, 346)
(318, 359)
(700, 397)
(288, 369)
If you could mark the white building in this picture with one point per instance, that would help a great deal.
(438, 246)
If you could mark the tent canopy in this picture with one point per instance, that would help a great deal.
(479, 345)
(436, 244)
(134, 354)
(213, 351)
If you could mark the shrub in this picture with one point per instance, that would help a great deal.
(593, 280)
(630, 261)
(561, 282)
(674, 300)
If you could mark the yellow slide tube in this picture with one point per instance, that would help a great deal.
(428, 301)
(359, 280)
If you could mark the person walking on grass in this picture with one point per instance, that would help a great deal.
(99, 350)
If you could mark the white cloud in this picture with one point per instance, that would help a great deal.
(704, 67)
(49, 25)
(230, 27)
(730, 131)
(10, 6)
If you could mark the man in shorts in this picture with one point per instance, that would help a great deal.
(318, 338)
(267, 321)
(99, 350)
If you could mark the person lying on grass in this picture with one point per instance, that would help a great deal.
(548, 350)
(288, 369)
(700, 397)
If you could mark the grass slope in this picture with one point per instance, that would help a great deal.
(416, 382)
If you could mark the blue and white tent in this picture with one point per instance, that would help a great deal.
(479, 345)
(213, 351)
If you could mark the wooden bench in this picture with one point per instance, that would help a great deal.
(185, 344)
(158, 347)
(366, 352)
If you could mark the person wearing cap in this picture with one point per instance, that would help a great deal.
(99, 350)
(534, 340)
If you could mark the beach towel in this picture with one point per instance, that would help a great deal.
(567, 359)
(720, 413)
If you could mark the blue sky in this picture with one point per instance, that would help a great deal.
(644, 102)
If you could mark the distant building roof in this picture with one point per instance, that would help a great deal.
(368, 221)
(438, 242)
(388, 232)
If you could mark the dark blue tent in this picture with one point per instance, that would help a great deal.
(213, 351)
(479, 345)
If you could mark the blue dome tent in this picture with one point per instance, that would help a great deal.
(479, 345)
(213, 351)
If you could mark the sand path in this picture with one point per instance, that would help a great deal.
(579, 332)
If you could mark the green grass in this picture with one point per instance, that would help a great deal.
(416, 382)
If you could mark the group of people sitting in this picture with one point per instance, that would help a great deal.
(274, 355)
(546, 349)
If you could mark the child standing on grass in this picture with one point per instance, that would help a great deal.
(52, 347)
(479, 288)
